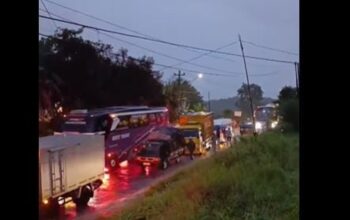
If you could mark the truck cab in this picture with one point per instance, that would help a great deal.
(193, 132)
(199, 127)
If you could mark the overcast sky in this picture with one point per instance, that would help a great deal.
(201, 23)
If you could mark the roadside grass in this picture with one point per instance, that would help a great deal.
(255, 179)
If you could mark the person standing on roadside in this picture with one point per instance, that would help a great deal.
(191, 146)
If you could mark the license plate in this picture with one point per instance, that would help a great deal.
(146, 164)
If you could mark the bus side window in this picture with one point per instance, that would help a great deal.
(134, 121)
(152, 118)
(162, 117)
(143, 120)
(158, 117)
(123, 122)
(101, 123)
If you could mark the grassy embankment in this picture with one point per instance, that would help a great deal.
(256, 179)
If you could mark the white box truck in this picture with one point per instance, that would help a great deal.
(71, 167)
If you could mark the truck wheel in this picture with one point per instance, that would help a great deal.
(85, 196)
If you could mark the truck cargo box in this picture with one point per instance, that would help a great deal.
(67, 162)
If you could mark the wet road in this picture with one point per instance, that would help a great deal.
(125, 184)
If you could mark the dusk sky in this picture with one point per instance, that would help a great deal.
(201, 23)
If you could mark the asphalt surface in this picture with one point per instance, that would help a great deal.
(121, 187)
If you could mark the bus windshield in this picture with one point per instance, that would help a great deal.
(85, 124)
(264, 114)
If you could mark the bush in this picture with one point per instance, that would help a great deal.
(289, 110)
(257, 179)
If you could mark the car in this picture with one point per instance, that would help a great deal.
(164, 146)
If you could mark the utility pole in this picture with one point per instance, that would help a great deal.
(297, 75)
(179, 74)
(209, 101)
(246, 73)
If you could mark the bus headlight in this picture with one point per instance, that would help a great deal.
(258, 125)
(274, 124)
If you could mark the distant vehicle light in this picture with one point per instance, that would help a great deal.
(109, 155)
(106, 169)
(274, 124)
(45, 201)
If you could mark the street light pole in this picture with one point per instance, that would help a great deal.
(249, 94)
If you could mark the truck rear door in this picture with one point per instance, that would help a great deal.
(56, 169)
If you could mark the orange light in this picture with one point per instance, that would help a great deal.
(124, 163)
(45, 201)
(105, 182)
(109, 155)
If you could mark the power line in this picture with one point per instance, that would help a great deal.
(168, 56)
(47, 11)
(171, 57)
(194, 71)
(264, 74)
(168, 66)
(99, 19)
(125, 28)
(204, 54)
(269, 48)
(191, 70)
(164, 42)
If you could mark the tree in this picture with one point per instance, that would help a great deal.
(227, 113)
(83, 74)
(287, 93)
(244, 103)
(198, 107)
(289, 108)
(182, 96)
(94, 76)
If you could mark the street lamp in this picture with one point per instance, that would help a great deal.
(199, 76)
